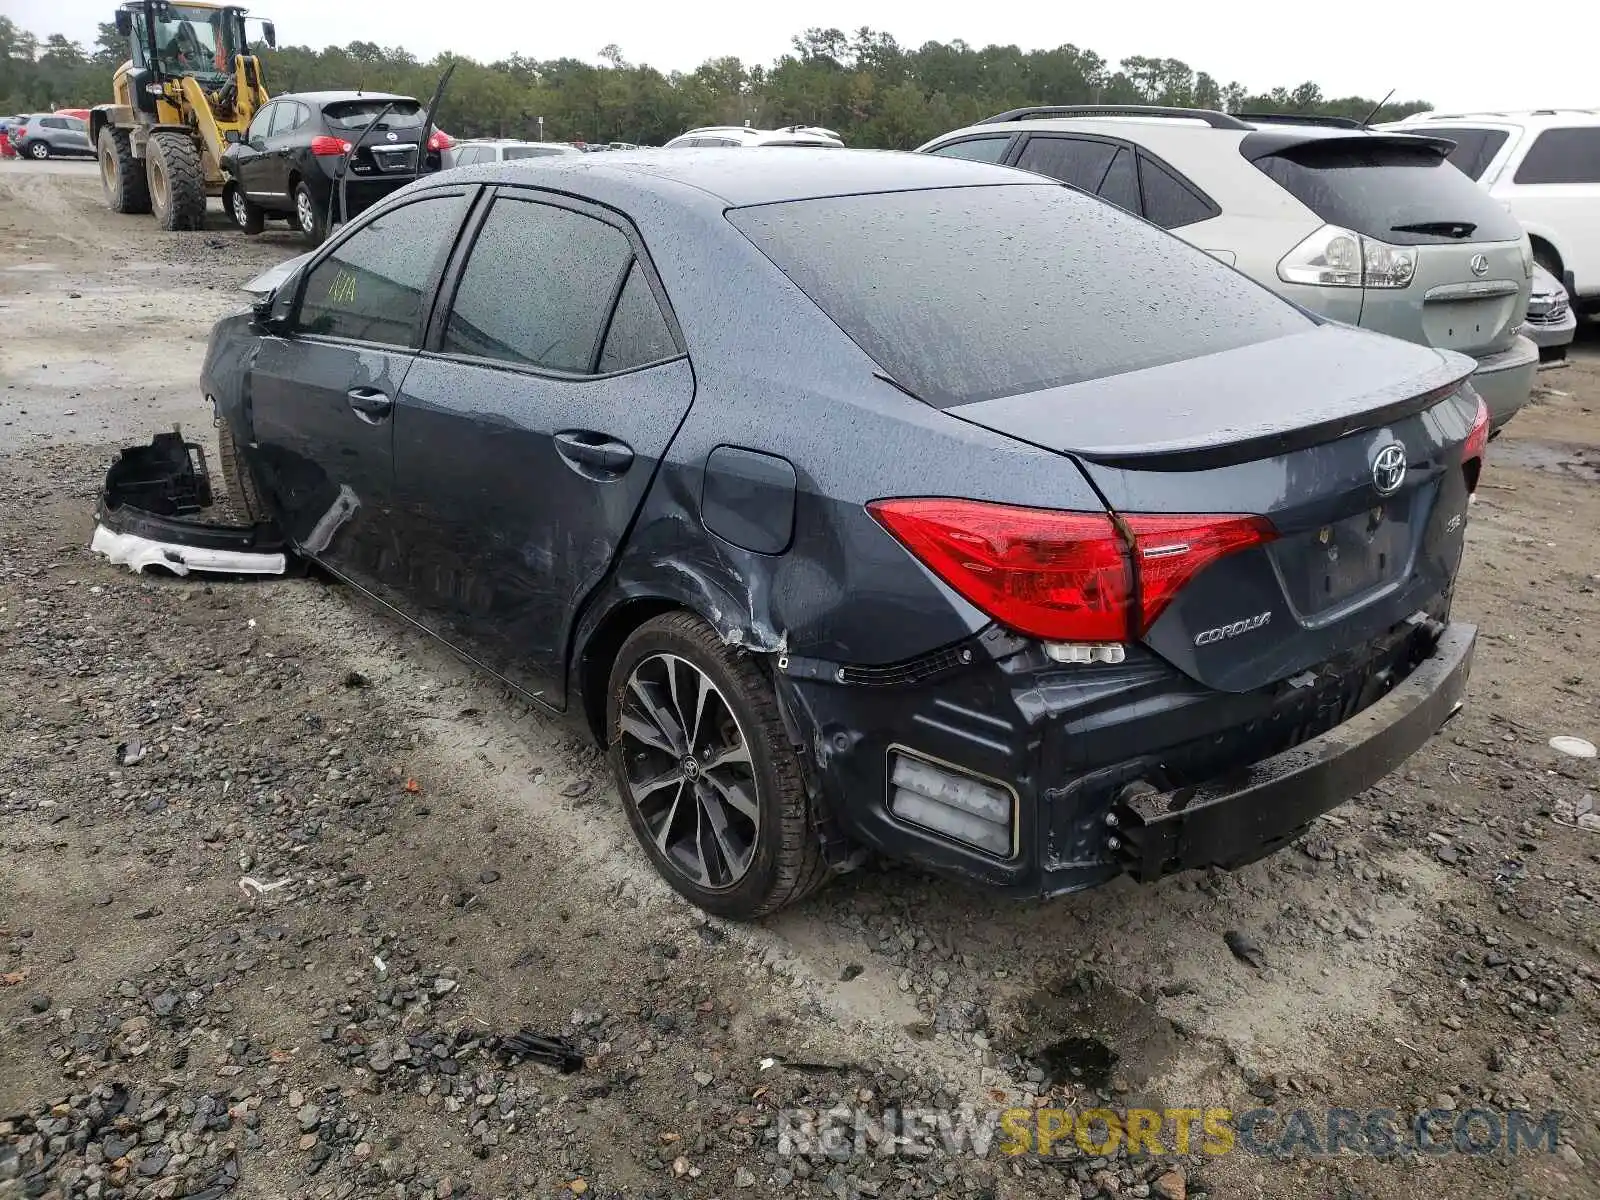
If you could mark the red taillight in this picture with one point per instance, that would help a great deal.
(1477, 444)
(1170, 551)
(1064, 576)
(330, 147)
(440, 140)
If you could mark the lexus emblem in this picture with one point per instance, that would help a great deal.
(1479, 265)
(395, 137)
(1389, 469)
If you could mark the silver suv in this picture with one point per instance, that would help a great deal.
(1369, 229)
(51, 135)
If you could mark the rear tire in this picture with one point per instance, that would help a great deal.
(709, 780)
(38, 151)
(245, 215)
(177, 182)
(236, 475)
(121, 174)
(309, 217)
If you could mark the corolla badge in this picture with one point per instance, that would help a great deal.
(1389, 469)
(1479, 264)
(1222, 633)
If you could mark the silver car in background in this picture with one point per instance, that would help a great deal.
(1370, 229)
(488, 150)
(1551, 323)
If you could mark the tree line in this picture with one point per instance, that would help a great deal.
(865, 86)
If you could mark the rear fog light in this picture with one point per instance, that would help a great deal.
(961, 807)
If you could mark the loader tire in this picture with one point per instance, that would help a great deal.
(236, 475)
(121, 174)
(177, 182)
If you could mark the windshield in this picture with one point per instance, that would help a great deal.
(190, 40)
(532, 151)
(970, 293)
(354, 114)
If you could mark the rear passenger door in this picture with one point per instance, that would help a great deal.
(289, 124)
(529, 430)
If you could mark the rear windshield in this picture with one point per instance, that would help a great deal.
(531, 152)
(1475, 148)
(1405, 194)
(965, 294)
(354, 114)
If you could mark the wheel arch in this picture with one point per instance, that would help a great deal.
(610, 619)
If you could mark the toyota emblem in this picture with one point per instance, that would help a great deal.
(1479, 265)
(1389, 469)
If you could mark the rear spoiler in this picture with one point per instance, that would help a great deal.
(1264, 143)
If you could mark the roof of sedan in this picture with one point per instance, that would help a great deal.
(758, 175)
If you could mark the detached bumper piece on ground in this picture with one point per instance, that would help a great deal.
(149, 515)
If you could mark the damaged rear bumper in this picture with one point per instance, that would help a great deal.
(1110, 769)
(149, 515)
(1245, 815)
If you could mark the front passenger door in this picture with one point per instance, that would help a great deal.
(528, 433)
(321, 397)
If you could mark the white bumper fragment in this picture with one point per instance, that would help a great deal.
(136, 553)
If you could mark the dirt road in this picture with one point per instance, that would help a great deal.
(276, 874)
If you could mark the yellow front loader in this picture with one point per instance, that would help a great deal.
(190, 81)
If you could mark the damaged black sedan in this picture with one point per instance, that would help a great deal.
(878, 503)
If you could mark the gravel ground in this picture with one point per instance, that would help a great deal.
(279, 880)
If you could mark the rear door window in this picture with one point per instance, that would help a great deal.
(538, 288)
(638, 334)
(1121, 184)
(1562, 156)
(1077, 161)
(374, 284)
(1399, 191)
(1169, 201)
(1475, 148)
(981, 149)
(969, 293)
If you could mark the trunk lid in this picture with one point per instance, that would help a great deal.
(1469, 287)
(1363, 541)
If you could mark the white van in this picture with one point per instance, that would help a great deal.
(1545, 166)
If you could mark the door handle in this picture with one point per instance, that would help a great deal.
(370, 404)
(590, 453)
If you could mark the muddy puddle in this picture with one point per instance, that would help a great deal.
(1081, 1031)
(1563, 458)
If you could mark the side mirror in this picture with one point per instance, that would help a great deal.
(269, 33)
(124, 23)
(232, 136)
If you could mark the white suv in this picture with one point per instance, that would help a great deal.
(1369, 229)
(1545, 166)
(743, 135)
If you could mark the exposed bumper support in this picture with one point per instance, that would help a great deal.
(136, 553)
(1230, 821)
(148, 516)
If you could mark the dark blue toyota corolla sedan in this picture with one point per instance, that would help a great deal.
(863, 501)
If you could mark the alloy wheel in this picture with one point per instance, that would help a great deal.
(307, 214)
(688, 771)
(39, 150)
(241, 209)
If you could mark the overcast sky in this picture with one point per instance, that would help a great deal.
(1456, 53)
